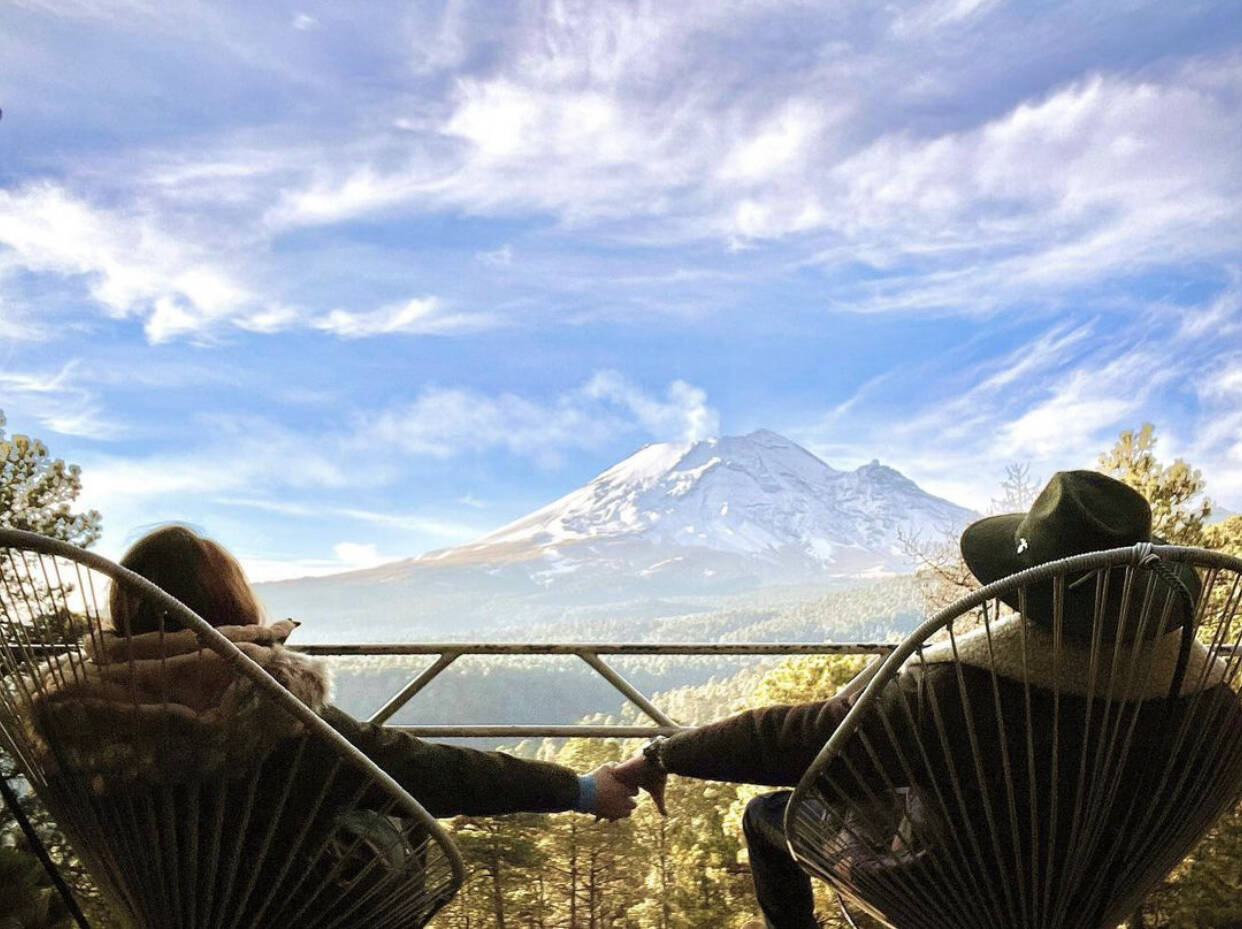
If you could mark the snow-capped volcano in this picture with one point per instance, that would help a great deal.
(758, 495)
(658, 532)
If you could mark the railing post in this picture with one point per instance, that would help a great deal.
(629, 690)
(386, 712)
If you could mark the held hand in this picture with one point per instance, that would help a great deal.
(639, 772)
(613, 799)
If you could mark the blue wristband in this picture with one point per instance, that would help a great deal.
(586, 794)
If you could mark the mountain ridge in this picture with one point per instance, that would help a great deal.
(672, 520)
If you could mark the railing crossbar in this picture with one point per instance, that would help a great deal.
(576, 648)
(539, 731)
(447, 653)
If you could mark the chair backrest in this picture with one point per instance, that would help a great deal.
(1009, 769)
(196, 788)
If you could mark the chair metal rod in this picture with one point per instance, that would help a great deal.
(36, 845)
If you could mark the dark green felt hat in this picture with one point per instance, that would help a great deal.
(1077, 512)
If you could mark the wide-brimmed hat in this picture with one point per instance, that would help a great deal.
(1078, 512)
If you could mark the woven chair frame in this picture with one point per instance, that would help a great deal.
(33, 567)
(988, 869)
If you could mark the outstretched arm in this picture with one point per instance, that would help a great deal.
(450, 780)
(774, 745)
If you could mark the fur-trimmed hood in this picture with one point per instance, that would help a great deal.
(1144, 669)
(165, 707)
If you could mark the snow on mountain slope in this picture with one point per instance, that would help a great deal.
(759, 495)
(671, 526)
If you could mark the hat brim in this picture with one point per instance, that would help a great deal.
(989, 550)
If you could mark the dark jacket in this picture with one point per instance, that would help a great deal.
(974, 754)
(205, 803)
(927, 704)
(164, 709)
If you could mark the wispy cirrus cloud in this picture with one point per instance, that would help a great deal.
(417, 316)
(1055, 401)
(1077, 184)
(59, 401)
(445, 529)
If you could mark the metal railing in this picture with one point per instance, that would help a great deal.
(591, 653)
(445, 653)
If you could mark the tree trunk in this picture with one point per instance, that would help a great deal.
(498, 896)
(573, 875)
(665, 905)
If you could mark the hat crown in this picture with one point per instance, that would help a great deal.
(1077, 512)
(1082, 511)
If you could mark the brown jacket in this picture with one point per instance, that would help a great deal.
(164, 709)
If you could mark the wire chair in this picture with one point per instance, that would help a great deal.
(998, 772)
(234, 810)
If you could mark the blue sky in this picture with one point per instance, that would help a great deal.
(343, 282)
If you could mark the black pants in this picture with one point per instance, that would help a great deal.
(783, 888)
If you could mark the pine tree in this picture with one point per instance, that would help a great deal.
(37, 494)
(1177, 516)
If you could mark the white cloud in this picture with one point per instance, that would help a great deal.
(57, 401)
(846, 145)
(346, 556)
(683, 413)
(358, 555)
(1096, 177)
(242, 454)
(444, 422)
(1100, 179)
(130, 264)
(417, 316)
(1084, 404)
(133, 265)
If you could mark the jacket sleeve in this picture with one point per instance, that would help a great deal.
(774, 745)
(449, 780)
